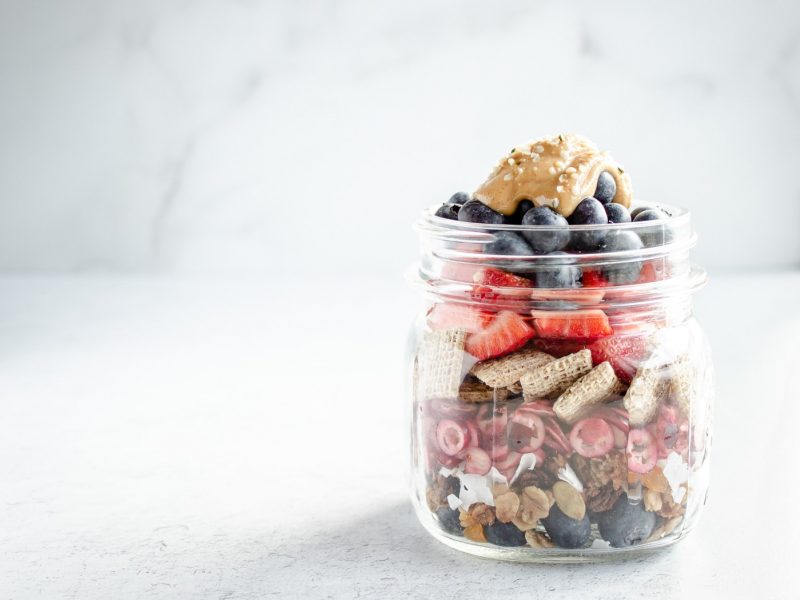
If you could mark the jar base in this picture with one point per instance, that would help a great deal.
(526, 554)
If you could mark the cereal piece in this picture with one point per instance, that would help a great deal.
(506, 507)
(475, 391)
(593, 388)
(644, 395)
(535, 505)
(569, 500)
(441, 358)
(475, 533)
(682, 385)
(556, 376)
(506, 371)
(538, 540)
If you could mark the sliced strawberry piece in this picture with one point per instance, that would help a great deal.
(492, 420)
(613, 416)
(474, 437)
(574, 324)
(451, 436)
(506, 333)
(526, 433)
(510, 461)
(642, 451)
(670, 431)
(592, 437)
(625, 353)
(494, 285)
(458, 316)
(498, 448)
(500, 279)
(555, 433)
(648, 274)
(477, 460)
(593, 278)
(620, 438)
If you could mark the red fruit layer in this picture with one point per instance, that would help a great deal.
(458, 316)
(573, 324)
(506, 333)
(625, 353)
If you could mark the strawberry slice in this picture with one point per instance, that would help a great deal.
(458, 316)
(573, 324)
(492, 285)
(625, 353)
(593, 278)
(500, 279)
(506, 333)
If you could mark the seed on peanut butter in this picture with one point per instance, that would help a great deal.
(569, 500)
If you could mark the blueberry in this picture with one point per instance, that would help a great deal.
(638, 209)
(475, 211)
(504, 534)
(523, 207)
(459, 198)
(567, 532)
(448, 211)
(617, 213)
(626, 524)
(649, 214)
(588, 212)
(625, 272)
(606, 188)
(549, 239)
(558, 275)
(448, 520)
(655, 235)
(508, 242)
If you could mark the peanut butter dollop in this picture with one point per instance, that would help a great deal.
(557, 172)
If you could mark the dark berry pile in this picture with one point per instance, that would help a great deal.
(556, 237)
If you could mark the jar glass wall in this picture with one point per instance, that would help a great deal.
(561, 402)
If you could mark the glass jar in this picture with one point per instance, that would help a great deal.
(561, 402)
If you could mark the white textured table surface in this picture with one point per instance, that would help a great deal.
(229, 439)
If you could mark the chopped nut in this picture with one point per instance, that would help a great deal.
(604, 479)
(652, 500)
(441, 487)
(655, 480)
(569, 500)
(482, 513)
(498, 489)
(538, 540)
(669, 508)
(506, 507)
(665, 528)
(535, 505)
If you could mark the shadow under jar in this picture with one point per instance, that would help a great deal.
(561, 402)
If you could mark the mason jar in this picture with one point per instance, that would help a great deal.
(561, 403)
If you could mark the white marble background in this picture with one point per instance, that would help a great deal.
(301, 137)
